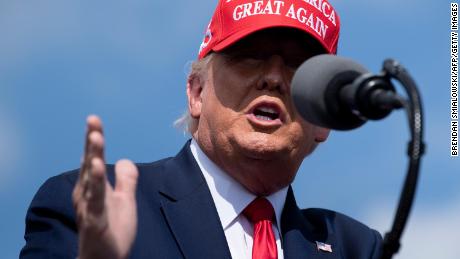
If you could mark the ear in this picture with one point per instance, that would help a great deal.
(194, 88)
(321, 134)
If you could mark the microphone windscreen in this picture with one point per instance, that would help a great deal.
(315, 89)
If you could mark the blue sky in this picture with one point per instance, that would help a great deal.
(127, 60)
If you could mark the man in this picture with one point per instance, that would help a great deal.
(227, 193)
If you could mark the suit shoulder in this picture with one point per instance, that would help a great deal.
(56, 186)
(62, 186)
(153, 165)
(50, 221)
(69, 178)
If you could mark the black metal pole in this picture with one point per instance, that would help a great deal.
(416, 148)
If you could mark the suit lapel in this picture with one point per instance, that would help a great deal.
(190, 211)
(300, 233)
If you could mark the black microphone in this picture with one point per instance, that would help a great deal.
(338, 93)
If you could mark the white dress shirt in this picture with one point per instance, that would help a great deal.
(230, 199)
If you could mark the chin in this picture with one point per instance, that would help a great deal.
(266, 179)
(262, 146)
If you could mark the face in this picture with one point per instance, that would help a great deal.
(247, 122)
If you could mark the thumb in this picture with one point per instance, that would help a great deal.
(126, 177)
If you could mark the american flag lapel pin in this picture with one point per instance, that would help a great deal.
(323, 247)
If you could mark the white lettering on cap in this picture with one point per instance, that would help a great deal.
(257, 8)
(302, 15)
(207, 38)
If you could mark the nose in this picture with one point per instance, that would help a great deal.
(274, 76)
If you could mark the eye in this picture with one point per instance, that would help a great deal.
(295, 61)
(246, 57)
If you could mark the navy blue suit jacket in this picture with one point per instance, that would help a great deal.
(177, 219)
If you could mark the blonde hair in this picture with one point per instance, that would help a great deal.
(198, 69)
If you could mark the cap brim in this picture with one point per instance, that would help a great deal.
(243, 32)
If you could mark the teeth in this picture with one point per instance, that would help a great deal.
(265, 118)
(267, 109)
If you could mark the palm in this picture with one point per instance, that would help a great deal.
(106, 216)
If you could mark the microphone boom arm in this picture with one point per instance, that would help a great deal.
(416, 149)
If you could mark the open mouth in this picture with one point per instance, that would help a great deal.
(266, 113)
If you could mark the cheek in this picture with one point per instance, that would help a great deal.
(233, 87)
(217, 115)
(303, 138)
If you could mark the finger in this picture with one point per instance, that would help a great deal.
(93, 124)
(95, 194)
(76, 194)
(96, 145)
(95, 149)
(126, 177)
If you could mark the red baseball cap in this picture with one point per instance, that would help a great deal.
(235, 19)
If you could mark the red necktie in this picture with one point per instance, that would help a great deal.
(260, 212)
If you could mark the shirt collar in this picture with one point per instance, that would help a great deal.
(230, 197)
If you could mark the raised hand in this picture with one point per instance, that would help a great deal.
(106, 216)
